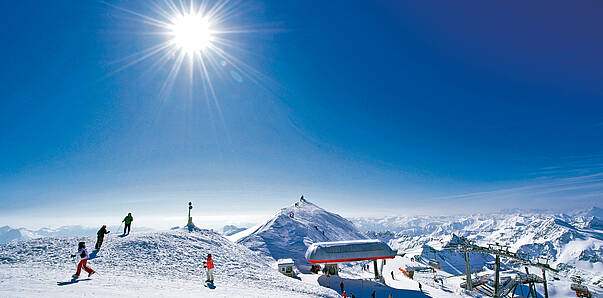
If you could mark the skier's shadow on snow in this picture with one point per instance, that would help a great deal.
(211, 286)
(73, 281)
(93, 254)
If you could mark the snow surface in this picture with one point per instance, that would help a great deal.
(285, 237)
(151, 264)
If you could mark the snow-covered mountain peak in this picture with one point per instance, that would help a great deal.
(289, 232)
(593, 212)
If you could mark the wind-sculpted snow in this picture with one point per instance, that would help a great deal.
(284, 236)
(160, 256)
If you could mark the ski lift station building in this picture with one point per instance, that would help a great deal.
(331, 253)
(285, 266)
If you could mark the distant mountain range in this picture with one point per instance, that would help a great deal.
(229, 230)
(572, 242)
(8, 234)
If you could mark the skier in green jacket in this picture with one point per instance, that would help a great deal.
(100, 235)
(127, 222)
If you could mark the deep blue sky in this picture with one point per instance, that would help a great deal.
(367, 108)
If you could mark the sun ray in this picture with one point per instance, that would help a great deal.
(196, 39)
(140, 56)
(143, 18)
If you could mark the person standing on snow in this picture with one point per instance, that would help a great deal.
(100, 235)
(209, 265)
(82, 253)
(341, 286)
(127, 222)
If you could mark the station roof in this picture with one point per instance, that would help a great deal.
(284, 262)
(349, 251)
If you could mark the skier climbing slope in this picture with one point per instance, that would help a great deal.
(100, 236)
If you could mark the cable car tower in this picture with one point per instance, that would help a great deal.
(500, 250)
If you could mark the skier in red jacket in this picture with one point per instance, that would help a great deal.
(209, 265)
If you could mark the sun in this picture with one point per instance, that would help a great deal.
(194, 40)
(191, 33)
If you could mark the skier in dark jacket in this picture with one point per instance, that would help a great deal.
(127, 222)
(100, 235)
(82, 253)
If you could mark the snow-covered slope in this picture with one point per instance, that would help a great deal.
(286, 236)
(153, 264)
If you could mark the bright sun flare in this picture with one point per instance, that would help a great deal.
(194, 35)
(191, 33)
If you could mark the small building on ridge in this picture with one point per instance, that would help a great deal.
(285, 266)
